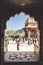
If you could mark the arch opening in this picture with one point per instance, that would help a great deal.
(22, 34)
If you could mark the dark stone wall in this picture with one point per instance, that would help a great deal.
(41, 40)
(7, 11)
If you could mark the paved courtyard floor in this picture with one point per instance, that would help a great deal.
(24, 54)
(20, 57)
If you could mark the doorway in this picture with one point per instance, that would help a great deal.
(21, 38)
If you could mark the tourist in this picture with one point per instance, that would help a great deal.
(18, 44)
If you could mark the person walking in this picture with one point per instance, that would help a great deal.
(18, 44)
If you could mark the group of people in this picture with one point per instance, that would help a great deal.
(28, 41)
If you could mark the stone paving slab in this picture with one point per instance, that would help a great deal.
(20, 57)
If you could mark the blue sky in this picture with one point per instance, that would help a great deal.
(17, 22)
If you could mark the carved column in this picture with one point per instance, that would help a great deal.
(37, 44)
(28, 34)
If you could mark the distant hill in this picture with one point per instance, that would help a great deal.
(11, 32)
(20, 31)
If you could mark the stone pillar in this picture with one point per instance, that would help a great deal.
(28, 36)
(35, 33)
(26, 32)
(37, 44)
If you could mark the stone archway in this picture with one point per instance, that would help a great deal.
(35, 46)
(9, 10)
(35, 51)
